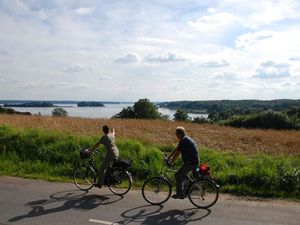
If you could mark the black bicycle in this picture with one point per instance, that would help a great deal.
(201, 190)
(117, 177)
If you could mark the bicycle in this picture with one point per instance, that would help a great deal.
(201, 190)
(117, 178)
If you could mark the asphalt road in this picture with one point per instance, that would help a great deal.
(28, 202)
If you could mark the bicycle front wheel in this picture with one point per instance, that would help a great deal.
(84, 178)
(121, 182)
(156, 190)
(203, 193)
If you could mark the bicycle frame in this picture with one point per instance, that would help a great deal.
(165, 174)
(91, 164)
(165, 170)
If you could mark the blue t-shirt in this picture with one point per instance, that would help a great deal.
(189, 151)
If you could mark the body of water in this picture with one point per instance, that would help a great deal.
(105, 112)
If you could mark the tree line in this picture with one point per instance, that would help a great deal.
(275, 114)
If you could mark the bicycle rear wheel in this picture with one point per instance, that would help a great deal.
(84, 178)
(156, 190)
(203, 193)
(120, 183)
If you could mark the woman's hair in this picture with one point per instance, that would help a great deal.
(180, 131)
(105, 129)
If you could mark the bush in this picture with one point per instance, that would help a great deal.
(265, 120)
(181, 115)
(59, 112)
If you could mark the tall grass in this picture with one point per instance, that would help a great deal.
(246, 141)
(53, 155)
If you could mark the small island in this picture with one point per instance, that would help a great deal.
(90, 104)
(31, 104)
(12, 111)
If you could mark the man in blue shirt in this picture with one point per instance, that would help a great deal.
(187, 147)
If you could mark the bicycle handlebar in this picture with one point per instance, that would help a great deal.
(165, 160)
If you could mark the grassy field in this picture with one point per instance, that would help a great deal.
(246, 141)
(248, 162)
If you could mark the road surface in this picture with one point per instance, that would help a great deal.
(36, 202)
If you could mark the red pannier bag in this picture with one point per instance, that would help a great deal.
(204, 169)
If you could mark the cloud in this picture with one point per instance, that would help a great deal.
(163, 58)
(105, 78)
(252, 38)
(214, 22)
(227, 76)
(271, 63)
(295, 58)
(84, 11)
(268, 12)
(129, 58)
(213, 64)
(272, 70)
(78, 68)
(29, 85)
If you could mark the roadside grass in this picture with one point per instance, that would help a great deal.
(52, 155)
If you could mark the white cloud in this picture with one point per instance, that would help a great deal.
(129, 58)
(272, 70)
(267, 12)
(213, 64)
(163, 58)
(227, 76)
(78, 68)
(295, 58)
(105, 77)
(249, 39)
(84, 11)
(214, 22)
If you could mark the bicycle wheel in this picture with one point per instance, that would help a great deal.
(156, 190)
(84, 178)
(120, 182)
(203, 193)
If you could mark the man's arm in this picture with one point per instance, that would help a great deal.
(174, 155)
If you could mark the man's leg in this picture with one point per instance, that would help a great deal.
(180, 176)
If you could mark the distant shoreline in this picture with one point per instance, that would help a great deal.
(68, 102)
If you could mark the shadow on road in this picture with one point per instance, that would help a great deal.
(66, 200)
(149, 215)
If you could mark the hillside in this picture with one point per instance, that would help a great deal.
(217, 137)
(238, 105)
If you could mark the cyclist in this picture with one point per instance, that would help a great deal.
(112, 152)
(187, 147)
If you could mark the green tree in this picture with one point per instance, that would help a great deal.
(181, 115)
(59, 112)
(142, 109)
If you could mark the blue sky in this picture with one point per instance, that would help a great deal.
(161, 50)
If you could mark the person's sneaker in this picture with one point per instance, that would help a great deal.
(176, 196)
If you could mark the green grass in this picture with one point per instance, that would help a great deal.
(53, 156)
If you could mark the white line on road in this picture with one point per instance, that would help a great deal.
(103, 222)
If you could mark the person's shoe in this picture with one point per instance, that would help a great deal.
(98, 185)
(176, 196)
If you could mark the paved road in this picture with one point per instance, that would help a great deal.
(28, 202)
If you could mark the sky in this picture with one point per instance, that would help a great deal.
(163, 50)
